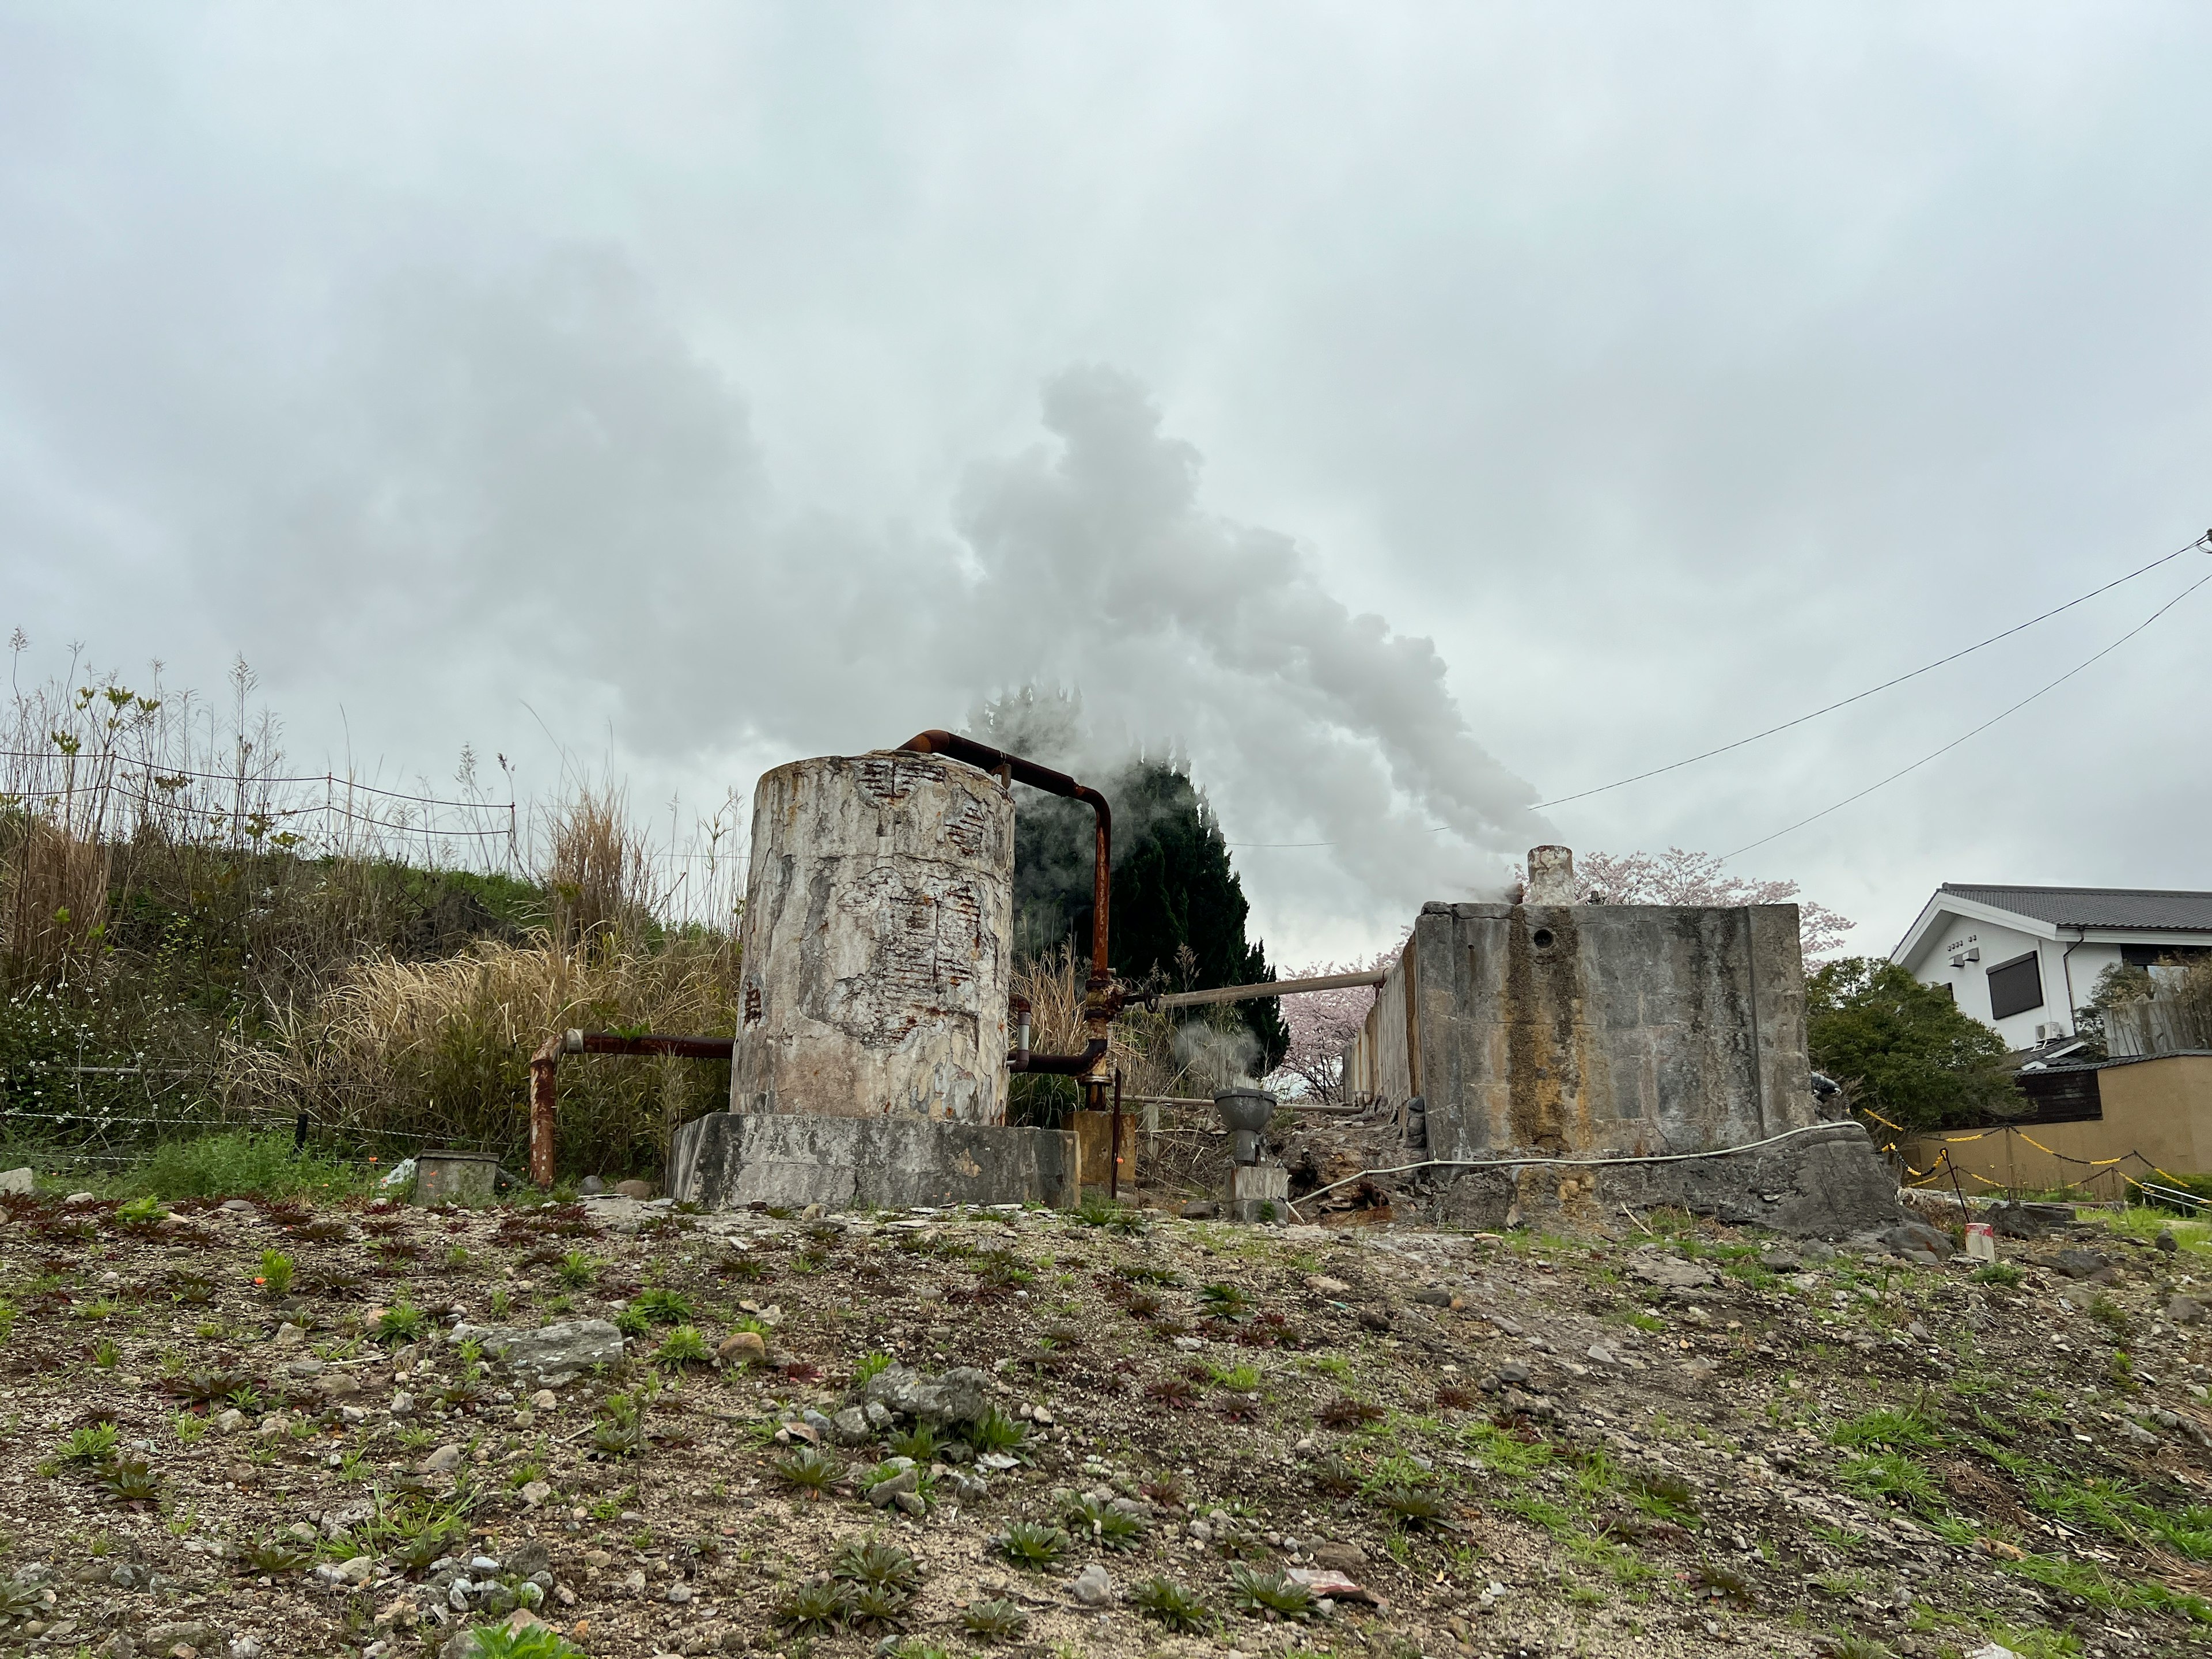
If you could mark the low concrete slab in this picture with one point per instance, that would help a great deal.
(1824, 1182)
(728, 1159)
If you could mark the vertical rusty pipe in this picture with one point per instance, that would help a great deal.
(1102, 998)
(543, 1065)
(1114, 1157)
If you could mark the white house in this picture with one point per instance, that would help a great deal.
(2022, 960)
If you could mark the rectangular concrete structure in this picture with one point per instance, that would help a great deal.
(728, 1159)
(1574, 1027)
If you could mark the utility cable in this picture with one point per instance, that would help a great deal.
(1540, 1161)
(2205, 540)
(2001, 714)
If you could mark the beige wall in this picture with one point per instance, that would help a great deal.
(2161, 1108)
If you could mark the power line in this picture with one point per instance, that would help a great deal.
(1860, 696)
(2203, 541)
(1986, 724)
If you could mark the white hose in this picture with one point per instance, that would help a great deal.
(1551, 1163)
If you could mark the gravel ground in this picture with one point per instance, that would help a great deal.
(1659, 1437)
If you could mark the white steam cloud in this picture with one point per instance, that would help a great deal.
(543, 492)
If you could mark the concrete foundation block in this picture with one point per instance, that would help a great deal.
(1259, 1192)
(728, 1159)
(1826, 1182)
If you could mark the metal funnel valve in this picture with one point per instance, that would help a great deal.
(1244, 1113)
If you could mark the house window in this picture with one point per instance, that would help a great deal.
(2016, 987)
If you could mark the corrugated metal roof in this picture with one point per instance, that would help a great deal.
(2149, 909)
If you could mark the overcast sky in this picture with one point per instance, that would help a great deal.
(1412, 414)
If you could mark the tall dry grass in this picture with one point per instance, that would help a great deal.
(440, 1051)
(193, 931)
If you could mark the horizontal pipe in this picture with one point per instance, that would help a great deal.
(1059, 1065)
(610, 1043)
(1207, 1100)
(1280, 987)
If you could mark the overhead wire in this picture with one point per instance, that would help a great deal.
(2205, 540)
(2201, 541)
(2003, 714)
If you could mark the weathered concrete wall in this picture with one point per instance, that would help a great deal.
(1827, 1183)
(877, 939)
(1379, 1065)
(727, 1160)
(1639, 1028)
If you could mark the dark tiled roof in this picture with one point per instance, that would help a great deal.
(2097, 907)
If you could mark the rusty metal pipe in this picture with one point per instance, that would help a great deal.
(1101, 998)
(543, 1111)
(544, 1079)
(988, 759)
(1061, 1065)
(691, 1047)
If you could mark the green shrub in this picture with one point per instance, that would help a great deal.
(238, 1163)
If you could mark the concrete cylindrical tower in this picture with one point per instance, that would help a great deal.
(877, 939)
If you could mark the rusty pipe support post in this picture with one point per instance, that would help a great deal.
(1114, 1143)
(544, 1065)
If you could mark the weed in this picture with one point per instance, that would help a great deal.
(1169, 1603)
(871, 1364)
(1892, 1475)
(1110, 1527)
(1889, 1426)
(1344, 1412)
(878, 1563)
(682, 1347)
(275, 1275)
(276, 1556)
(1664, 1497)
(994, 1432)
(236, 1164)
(399, 1324)
(994, 1619)
(1033, 1544)
(810, 1468)
(919, 1442)
(129, 1480)
(2002, 1274)
(812, 1609)
(1414, 1506)
(95, 1445)
(577, 1270)
(1257, 1591)
(140, 1213)
(1226, 1301)
(530, 1641)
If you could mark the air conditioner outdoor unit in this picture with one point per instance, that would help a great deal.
(2050, 1033)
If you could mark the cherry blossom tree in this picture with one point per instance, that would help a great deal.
(1322, 1024)
(1676, 877)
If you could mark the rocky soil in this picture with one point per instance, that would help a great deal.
(244, 1428)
